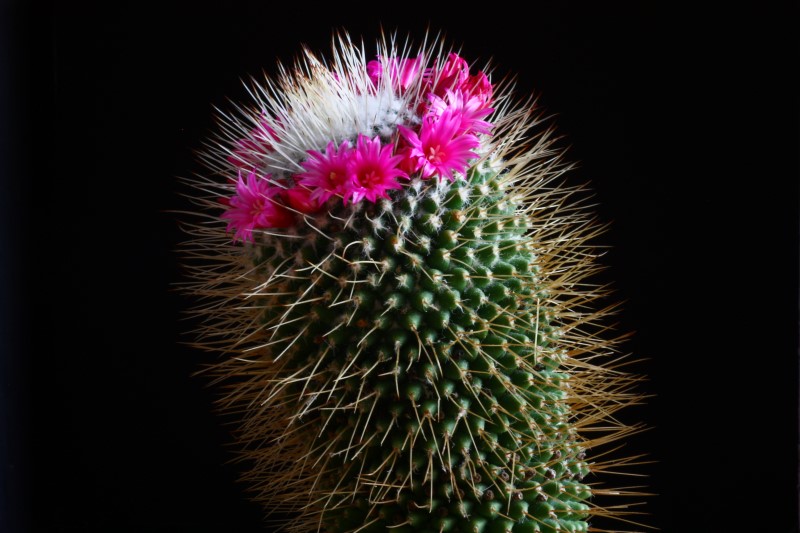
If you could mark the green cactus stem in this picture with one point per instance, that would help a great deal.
(427, 362)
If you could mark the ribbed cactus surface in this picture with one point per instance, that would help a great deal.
(399, 284)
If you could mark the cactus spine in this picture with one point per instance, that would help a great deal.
(422, 360)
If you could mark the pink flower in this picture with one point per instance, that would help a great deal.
(375, 70)
(372, 170)
(439, 149)
(246, 155)
(299, 198)
(478, 86)
(326, 174)
(470, 109)
(249, 152)
(254, 206)
(402, 72)
(453, 73)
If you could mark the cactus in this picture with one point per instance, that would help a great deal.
(399, 284)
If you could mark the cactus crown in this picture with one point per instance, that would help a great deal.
(399, 285)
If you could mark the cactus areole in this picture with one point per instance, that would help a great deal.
(395, 277)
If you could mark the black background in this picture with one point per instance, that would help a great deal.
(684, 121)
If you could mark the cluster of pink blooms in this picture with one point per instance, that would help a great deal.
(452, 107)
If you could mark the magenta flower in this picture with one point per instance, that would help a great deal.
(470, 109)
(401, 72)
(254, 206)
(372, 170)
(247, 154)
(375, 70)
(478, 86)
(453, 73)
(299, 198)
(326, 174)
(439, 149)
(250, 151)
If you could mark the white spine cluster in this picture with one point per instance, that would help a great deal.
(311, 106)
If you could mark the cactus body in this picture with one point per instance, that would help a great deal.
(423, 361)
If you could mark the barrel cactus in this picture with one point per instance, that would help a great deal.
(398, 283)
